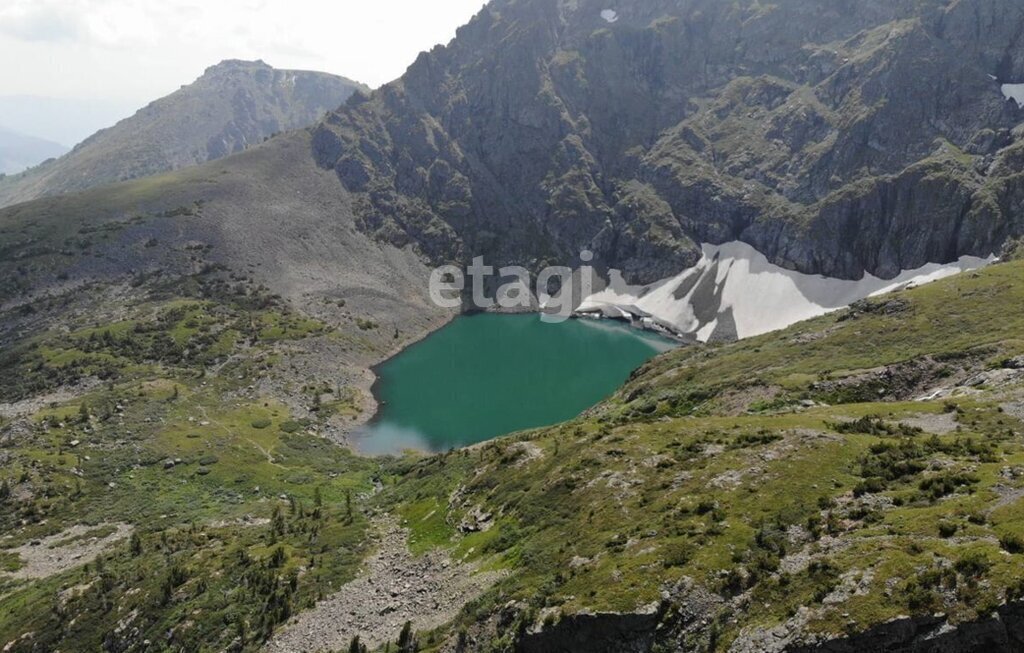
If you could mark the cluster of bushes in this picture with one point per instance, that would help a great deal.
(762, 559)
(749, 440)
(924, 591)
(871, 425)
(890, 462)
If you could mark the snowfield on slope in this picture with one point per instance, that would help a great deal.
(1014, 92)
(735, 292)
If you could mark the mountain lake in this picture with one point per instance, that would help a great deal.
(487, 375)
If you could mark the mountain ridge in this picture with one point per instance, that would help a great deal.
(20, 151)
(639, 137)
(231, 106)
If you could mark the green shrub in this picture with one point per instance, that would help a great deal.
(973, 564)
(1012, 543)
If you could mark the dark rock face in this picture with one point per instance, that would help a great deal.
(836, 137)
(594, 633)
(639, 633)
(1003, 633)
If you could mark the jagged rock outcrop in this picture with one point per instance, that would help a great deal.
(594, 633)
(235, 104)
(835, 139)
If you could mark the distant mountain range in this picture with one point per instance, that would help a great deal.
(65, 120)
(20, 151)
(232, 106)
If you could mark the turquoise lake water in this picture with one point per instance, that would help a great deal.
(488, 375)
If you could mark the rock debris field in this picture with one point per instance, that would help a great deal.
(394, 587)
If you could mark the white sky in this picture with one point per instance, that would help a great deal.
(134, 51)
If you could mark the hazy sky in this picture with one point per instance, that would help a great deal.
(129, 52)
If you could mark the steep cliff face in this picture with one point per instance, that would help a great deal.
(1003, 632)
(594, 633)
(234, 105)
(855, 136)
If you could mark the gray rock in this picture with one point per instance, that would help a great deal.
(542, 123)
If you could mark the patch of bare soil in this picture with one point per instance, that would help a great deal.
(1015, 409)
(66, 550)
(32, 406)
(394, 588)
(942, 424)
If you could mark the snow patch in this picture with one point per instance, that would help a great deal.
(735, 288)
(1014, 92)
(610, 15)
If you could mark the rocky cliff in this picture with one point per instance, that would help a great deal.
(234, 105)
(1002, 632)
(834, 138)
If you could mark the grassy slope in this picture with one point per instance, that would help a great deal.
(715, 464)
(248, 480)
(669, 481)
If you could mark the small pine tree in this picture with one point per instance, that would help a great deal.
(405, 637)
(277, 522)
(278, 558)
(5, 491)
(135, 545)
(241, 631)
(83, 413)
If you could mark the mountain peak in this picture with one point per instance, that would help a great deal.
(234, 65)
(235, 104)
(639, 129)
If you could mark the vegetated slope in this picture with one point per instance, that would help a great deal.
(760, 495)
(834, 138)
(18, 151)
(207, 317)
(798, 488)
(178, 353)
(240, 512)
(232, 106)
(268, 213)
